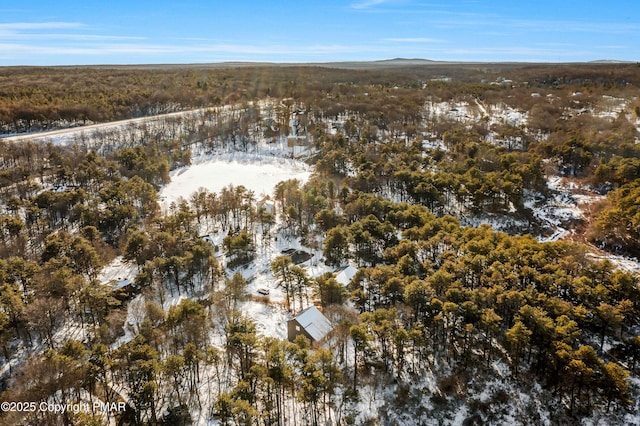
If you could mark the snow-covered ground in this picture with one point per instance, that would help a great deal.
(256, 172)
(567, 203)
(630, 264)
(117, 270)
(69, 136)
(610, 107)
(472, 112)
(500, 223)
(271, 317)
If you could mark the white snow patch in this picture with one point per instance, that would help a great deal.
(501, 223)
(256, 172)
(630, 264)
(117, 271)
(271, 320)
(566, 203)
(461, 416)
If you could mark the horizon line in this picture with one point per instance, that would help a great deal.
(390, 61)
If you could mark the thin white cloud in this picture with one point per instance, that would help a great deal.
(34, 30)
(442, 17)
(366, 4)
(413, 40)
(21, 26)
(66, 36)
(518, 53)
(293, 53)
(574, 26)
(153, 49)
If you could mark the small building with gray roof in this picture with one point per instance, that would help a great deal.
(310, 323)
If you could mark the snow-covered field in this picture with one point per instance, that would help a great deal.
(256, 172)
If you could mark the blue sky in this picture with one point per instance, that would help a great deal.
(194, 31)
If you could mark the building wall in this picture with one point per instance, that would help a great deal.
(294, 329)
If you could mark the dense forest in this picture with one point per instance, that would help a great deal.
(445, 320)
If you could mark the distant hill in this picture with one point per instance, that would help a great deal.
(610, 61)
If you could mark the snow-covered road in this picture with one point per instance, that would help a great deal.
(63, 136)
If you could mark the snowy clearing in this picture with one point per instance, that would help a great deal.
(256, 172)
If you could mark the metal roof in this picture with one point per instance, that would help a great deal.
(344, 275)
(314, 323)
